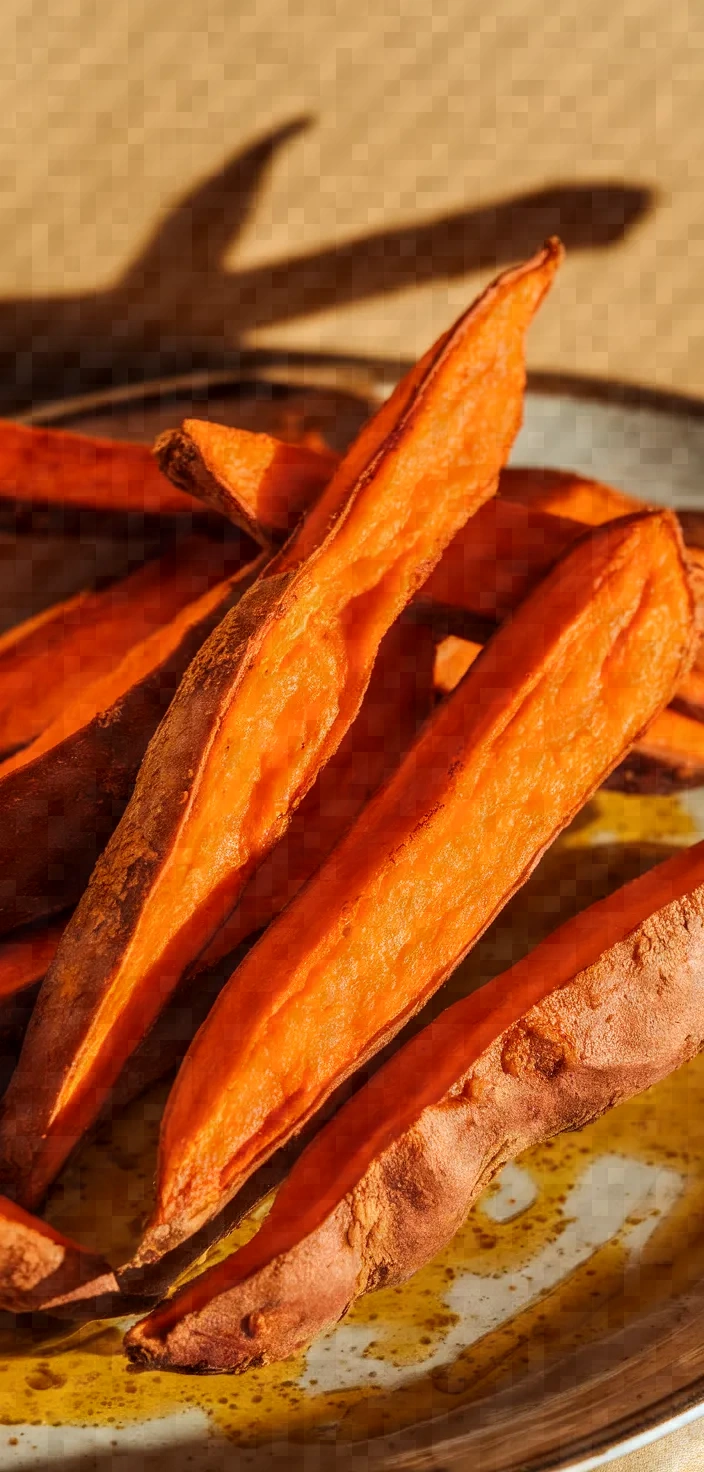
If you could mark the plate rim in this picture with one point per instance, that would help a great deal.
(437, 1443)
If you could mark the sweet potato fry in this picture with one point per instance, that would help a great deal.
(398, 700)
(542, 717)
(24, 960)
(61, 796)
(262, 484)
(603, 1008)
(262, 709)
(497, 559)
(26, 957)
(566, 493)
(47, 661)
(669, 756)
(55, 467)
(40, 1269)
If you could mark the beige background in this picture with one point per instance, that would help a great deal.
(142, 228)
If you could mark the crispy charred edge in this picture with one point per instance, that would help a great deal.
(179, 458)
(85, 783)
(614, 1029)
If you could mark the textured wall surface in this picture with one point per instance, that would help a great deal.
(136, 208)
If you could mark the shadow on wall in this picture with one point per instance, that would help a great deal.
(176, 308)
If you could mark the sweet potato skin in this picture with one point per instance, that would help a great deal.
(262, 484)
(82, 783)
(617, 1027)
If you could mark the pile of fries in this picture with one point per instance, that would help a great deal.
(279, 783)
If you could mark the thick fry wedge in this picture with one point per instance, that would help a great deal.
(261, 710)
(46, 662)
(260, 483)
(40, 1269)
(543, 716)
(25, 958)
(568, 494)
(606, 1006)
(55, 467)
(61, 796)
(398, 700)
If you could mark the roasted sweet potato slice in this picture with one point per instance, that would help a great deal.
(261, 710)
(56, 467)
(398, 700)
(47, 661)
(568, 494)
(542, 717)
(261, 483)
(606, 1006)
(40, 1269)
(61, 796)
(25, 958)
(669, 756)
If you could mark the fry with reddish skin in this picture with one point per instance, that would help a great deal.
(40, 1269)
(501, 767)
(602, 1009)
(260, 483)
(259, 713)
(80, 771)
(56, 467)
(46, 662)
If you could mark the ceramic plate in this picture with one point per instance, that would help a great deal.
(566, 1319)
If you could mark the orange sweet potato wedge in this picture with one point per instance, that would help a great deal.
(542, 717)
(47, 661)
(669, 757)
(24, 959)
(55, 467)
(40, 1269)
(61, 796)
(399, 698)
(566, 493)
(602, 1009)
(262, 484)
(262, 708)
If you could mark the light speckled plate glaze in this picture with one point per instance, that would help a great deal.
(566, 1320)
